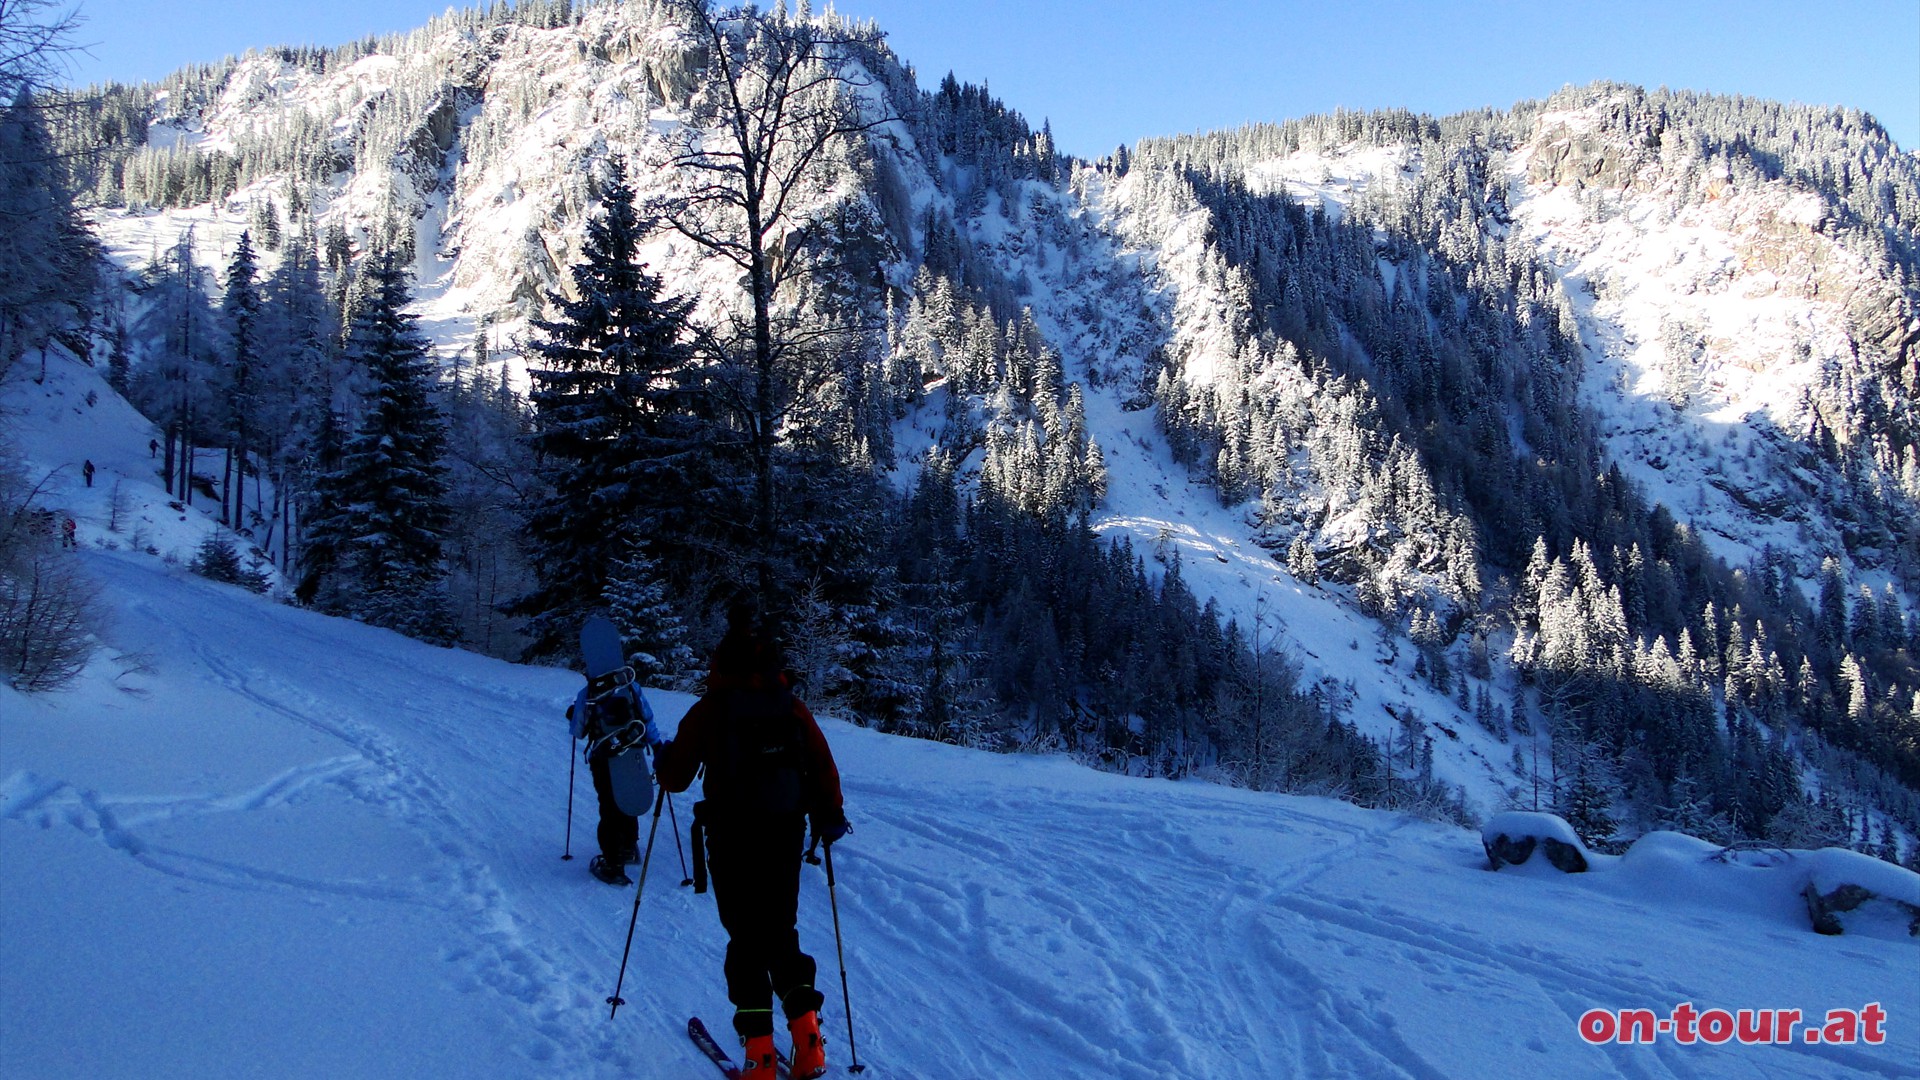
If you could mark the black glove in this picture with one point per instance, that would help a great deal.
(830, 825)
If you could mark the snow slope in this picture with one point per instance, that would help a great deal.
(255, 841)
(291, 845)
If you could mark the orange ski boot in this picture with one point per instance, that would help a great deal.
(761, 1057)
(809, 1054)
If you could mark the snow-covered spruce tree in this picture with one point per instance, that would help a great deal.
(652, 632)
(375, 537)
(617, 428)
(490, 470)
(240, 308)
(218, 558)
(952, 699)
(46, 253)
(299, 428)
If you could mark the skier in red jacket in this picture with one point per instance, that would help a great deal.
(768, 770)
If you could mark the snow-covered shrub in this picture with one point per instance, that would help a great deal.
(48, 608)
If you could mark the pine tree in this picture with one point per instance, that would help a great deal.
(1302, 563)
(218, 558)
(618, 425)
(241, 310)
(300, 427)
(119, 371)
(488, 463)
(375, 540)
(178, 389)
(653, 636)
(1586, 803)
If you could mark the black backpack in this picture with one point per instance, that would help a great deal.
(756, 759)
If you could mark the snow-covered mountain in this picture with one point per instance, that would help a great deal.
(1714, 306)
(1734, 337)
(1559, 456)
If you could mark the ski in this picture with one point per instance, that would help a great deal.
(702, 1038)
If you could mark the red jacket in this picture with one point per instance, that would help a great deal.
(677, 762)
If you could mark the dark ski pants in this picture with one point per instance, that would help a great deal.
(619, 831)
(755, 870)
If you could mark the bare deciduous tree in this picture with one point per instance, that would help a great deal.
(780, 99)
(35, 38)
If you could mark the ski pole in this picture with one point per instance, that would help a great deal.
(616, 1000)
(846, 1000)
(686, 877)
(572, 763)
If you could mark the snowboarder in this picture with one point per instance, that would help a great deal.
(153, 448)
(86, 471)
(768, 771)
(612, 715)
(68, 537)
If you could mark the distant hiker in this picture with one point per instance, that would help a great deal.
(768, 770)
(612, 715)
(67, 538)
(153, 448)
(87, 471)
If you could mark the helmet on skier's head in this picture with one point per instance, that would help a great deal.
(749, 652)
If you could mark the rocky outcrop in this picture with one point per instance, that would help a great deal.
(1581, 158)
(1847, 890)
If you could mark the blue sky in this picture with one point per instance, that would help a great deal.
(1114, 71)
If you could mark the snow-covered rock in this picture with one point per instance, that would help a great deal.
(1512, 836)
(1850, 892)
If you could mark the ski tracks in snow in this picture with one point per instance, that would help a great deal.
(395, 751)
(1162, 962)
(122, 822)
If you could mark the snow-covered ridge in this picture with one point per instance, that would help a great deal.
(1710, 304)
(487, 147)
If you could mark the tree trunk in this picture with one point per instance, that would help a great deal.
(763, 404)
(171, 434)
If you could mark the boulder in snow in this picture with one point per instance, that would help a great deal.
(1846, 889)
(1511, 838)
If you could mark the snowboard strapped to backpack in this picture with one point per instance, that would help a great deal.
(615, 717)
